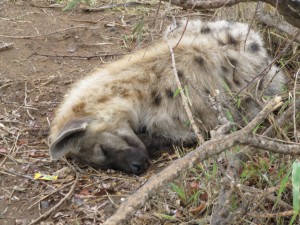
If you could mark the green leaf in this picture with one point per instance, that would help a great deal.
(229, 116)
(238, 102)
(71, 5)
(164, 216)
(226, 87)
(256, 128)
(176, 92)
(187, 123)
(185, 90)
(215, 169)
(88, 2)
(283, 184)
(195, 197)
(139, 26)
(178, 190)
(296, 185)
(293, 219)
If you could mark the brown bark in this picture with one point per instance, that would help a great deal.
(287, 8)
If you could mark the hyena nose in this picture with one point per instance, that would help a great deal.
(137, 168)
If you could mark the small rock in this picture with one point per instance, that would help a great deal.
(44, 204)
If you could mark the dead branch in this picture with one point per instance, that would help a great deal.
(284, 118)
(115, 5)
(295, 111)
(43, 35)
(221, 213)
(289, 9)
(271, 215)
(26, 103)
(79, 56)
(48, 6)
(208, 149)
(278, 23)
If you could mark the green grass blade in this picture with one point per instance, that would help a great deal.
(71, 5)
(296, 185)
(176, 92)
(293, 219)
(178, 190)
(164, 216)
(283, 184)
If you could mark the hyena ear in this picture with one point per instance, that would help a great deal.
(69, 138)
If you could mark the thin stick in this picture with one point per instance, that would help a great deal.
(294, 111)
(271, 215)
(184, 97)
(66, 197)
(46, 196)
(42, 35)
(25, 102)
(79, 56)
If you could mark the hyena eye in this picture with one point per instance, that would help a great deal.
(106, 151)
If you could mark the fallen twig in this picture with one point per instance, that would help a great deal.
(42, 35)
(80, 57)
(271, 215)
(294, 105)
(208, 149)
(49, 6)
(66, 197)
(46, 196)
(26, 103)
(115, 5)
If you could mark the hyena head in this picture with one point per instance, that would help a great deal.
(82, 140)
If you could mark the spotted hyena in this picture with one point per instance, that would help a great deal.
(120, 114)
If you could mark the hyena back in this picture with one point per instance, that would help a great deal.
(112, 117)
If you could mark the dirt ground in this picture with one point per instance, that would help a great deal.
(51, 49)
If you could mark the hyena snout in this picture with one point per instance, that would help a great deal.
(135, 161)
(134, 158)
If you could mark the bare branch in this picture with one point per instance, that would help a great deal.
(295, 111)
(272, 215)
(222, 207)
(277, 23)
(287, 8)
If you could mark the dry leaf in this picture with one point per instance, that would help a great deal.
(198, 209)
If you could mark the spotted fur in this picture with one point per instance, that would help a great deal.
(113, 116)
